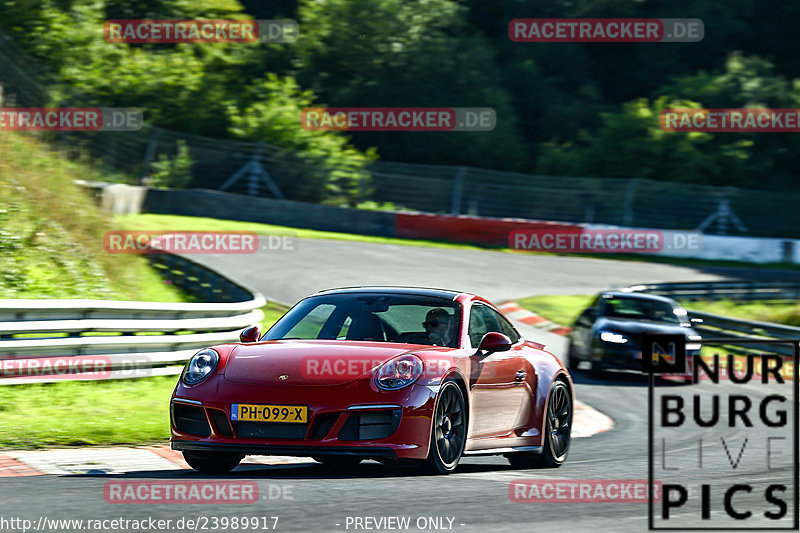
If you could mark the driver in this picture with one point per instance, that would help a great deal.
(437, 327)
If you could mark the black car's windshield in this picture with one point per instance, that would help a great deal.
(641, 309)
(402, 318)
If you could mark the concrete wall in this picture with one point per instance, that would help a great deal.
(125, 199)
(729, 247)
(216, 204)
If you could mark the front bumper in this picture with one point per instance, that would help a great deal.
(298, 451)
(626, 358)
(350, 419)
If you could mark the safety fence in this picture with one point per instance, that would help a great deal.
(52, 340)
(725, 290)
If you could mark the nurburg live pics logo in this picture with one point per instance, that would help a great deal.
(746, 459)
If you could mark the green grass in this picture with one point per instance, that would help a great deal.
(76, 413)
(777, 312)
(272, 312)
(558, 308)
(51, 233)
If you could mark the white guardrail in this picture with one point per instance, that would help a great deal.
(54, 340)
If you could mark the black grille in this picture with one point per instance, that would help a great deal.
(370, 425)
(269, 430)
(221, 422)
(322, 424)
(190, 420)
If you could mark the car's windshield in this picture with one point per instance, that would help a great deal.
(410, 319)
(642, 309)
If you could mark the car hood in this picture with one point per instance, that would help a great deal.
(297, 362)
(635, 327)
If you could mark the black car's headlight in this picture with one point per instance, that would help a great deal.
(200, 366)
(693, 345)
(612, 337)
(399, 372)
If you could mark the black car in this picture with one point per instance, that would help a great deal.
(608, 334)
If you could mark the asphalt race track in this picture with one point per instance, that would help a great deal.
(476, 497)
(287, 276)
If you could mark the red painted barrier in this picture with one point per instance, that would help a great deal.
(468, 229)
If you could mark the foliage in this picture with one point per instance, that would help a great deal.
(51, 233)
(172, 173)
(318, 166)
(565, 109)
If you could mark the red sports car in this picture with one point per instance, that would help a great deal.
(386, 373)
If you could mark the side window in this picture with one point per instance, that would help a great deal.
(477, 325)
(505, 327)
(484, 319)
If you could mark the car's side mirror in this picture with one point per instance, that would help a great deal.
(251, 334)
(494, 342)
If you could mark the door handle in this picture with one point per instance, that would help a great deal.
(520, 375)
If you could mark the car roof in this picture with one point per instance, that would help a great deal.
(411, 291)
(639, 296)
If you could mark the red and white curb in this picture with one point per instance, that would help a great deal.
(513, 311)
(586, 422)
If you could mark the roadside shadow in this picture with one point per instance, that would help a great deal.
(309, 470)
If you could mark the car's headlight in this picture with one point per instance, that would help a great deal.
(610, 336)
(398, 373)
(200, 366)
(694, 345)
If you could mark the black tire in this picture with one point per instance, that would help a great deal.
(212, 462)
(572, 361)
(338, 461)
(556, 442)
(449, 431)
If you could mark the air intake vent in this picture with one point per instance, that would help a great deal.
(221, 422)
(370, 425)
(190, 420)
(322, 425)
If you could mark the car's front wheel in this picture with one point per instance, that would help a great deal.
(449, 433)
(558, 432)
(212, 462)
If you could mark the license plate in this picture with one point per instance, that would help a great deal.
(249, 412)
